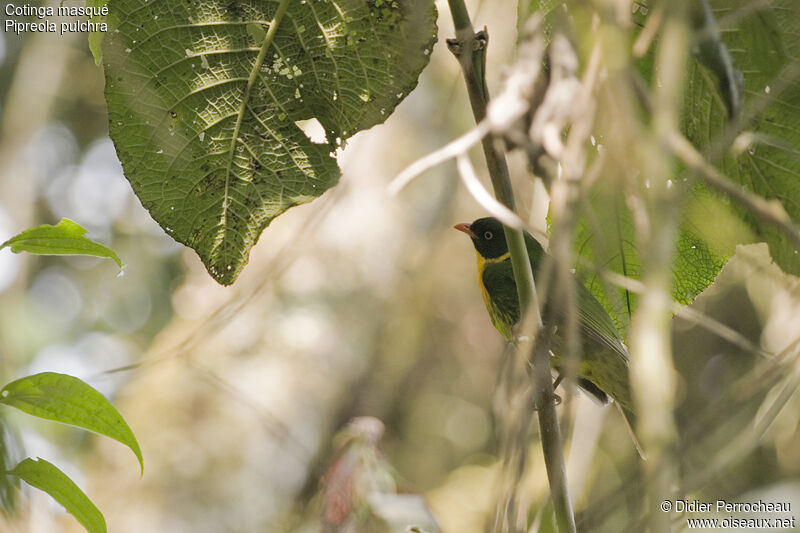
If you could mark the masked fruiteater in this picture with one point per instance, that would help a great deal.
(603, 369)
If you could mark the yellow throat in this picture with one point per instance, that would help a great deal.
(482, 262)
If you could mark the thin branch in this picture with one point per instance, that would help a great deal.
(567, 104)
(550, 430)
(744, 443)
(690, 315)
(648, 33)
(655, 212)
(704, 430)
(771, 212)
(451, 150)
(785, 80)
(482, 196)
(470, 49)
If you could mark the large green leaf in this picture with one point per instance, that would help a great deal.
(45, 476)
(605, 238)
(65, 238)
(203, 98)
(69, 400)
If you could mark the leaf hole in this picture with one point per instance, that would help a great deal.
(313, 130)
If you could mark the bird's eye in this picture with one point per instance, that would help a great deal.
(488, 235)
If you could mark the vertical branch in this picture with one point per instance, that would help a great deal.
(565, 192)
(655, 216)
(550, 431)
(470, 50)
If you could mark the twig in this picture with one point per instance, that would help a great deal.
(470, 49)
(690, 315)
(771, 212)
(648, 33)
(740, 446)
(550, 430)
(700, 434)
(482, 196)
(567, 104)
(655, 212)
(449, 151)
(785, 80)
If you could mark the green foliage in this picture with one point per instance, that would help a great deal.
(45, 476)
(765, 46)
(203, 106)
(69, 400)
(65, 238)
(605, 237)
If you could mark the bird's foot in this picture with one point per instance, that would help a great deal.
(556, 399)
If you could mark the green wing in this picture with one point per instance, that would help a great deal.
(605, 357)
(597, 325)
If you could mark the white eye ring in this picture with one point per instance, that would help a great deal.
(488, 235)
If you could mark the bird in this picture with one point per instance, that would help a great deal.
(603, 369)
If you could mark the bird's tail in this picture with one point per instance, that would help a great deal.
(628, 418)
(594, 391)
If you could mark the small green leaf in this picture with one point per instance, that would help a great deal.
(47, 477)
(69, 400)
(65, 238)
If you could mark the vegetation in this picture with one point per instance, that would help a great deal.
(651, 147)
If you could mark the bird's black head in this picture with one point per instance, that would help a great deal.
(487, 235)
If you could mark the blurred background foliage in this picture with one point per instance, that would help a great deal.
(357, 304)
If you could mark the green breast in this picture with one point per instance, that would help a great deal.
(500, 295)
